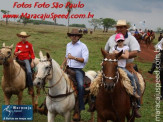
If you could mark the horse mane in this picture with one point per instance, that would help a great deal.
(65, 75)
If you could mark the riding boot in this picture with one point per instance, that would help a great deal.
(137, 114)
(29, 83)
(152, 68)
(76, 116)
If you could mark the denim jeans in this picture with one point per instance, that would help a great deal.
(131, 77)
(29, 73)
(80, 83)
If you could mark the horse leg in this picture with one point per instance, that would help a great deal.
(100, 119)
(20, 96)
(33, 97)
(67, 116)
(92, 117)
(51, 116)
(7, 99)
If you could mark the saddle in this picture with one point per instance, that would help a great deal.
(22, 65)
(72, 76)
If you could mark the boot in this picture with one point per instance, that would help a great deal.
(76, 116)
(152, 68)
(137, 114)
(136, 95)
(30, 90)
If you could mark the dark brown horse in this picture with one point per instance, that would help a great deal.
(138, 37)
(148, 39)
(112, 101)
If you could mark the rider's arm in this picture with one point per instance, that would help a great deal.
(64, 63)
(125, 55)
(133, 54)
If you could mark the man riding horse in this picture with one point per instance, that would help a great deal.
(76, 58)
(134, 48)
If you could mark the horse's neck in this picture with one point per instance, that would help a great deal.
(9, 69)
(58, 76)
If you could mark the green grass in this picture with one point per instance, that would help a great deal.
(53, 40)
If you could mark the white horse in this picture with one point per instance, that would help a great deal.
(60, 98)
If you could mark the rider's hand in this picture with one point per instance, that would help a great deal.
(17, 53)
(70, 56)
(32, 64)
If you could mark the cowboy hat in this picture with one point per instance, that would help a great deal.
(75, 32)
(22, 34)
(122, 23)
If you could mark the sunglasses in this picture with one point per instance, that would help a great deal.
(120, 41)
(74, 35)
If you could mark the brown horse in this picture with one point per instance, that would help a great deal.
(14, 77)
(138, 37)
(148, 39)
(112, 101)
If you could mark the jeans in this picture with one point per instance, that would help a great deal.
(80, 84)
(131, 77)
(138, 91)
(29, 73)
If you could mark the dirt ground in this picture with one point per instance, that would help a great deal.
(147, 55)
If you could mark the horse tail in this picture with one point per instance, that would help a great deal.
(91, 74)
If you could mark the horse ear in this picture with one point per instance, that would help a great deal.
(48, 55)
(11, 46)
(119, 54)
(41, 55)
(104, 53)
(3, 45)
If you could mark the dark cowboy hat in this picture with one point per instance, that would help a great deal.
(23, 34)
(75, 32)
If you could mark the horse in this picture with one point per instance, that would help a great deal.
(148, 39)
(138, 37)
(112, 100)
(60, 98)
(14, 77)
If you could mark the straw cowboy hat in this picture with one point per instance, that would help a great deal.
(122, 23)
(23, 34)
(75, 32)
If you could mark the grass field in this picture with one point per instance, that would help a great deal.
(53, 39)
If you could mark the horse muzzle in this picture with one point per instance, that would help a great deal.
(109, 86)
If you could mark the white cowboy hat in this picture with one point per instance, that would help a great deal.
(122, 23)
(22, 34)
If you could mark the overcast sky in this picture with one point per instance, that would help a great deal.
(134, 11)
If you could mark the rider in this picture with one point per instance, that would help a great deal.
(134, 48)
(160, 37)
(24, 52)
(119, 38)
(76, 58)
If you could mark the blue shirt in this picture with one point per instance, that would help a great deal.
(78, 50)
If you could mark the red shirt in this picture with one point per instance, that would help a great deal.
(26, 50)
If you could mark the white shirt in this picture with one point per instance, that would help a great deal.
(121, 62)
(158, 46)
(78, 50)
(130, 41)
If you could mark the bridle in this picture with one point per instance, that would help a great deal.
(5, 57)
(49, 69)
(45, 77)
(116, 77)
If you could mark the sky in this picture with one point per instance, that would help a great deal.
(134, 11)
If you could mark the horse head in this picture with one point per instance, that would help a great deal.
(109, 69)
(5, 53)
(44, 70)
